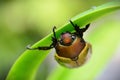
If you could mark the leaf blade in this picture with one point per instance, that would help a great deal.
(26, 66)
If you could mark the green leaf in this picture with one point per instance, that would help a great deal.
(27, 64)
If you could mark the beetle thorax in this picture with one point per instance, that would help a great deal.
(70, 45)
(66, 39)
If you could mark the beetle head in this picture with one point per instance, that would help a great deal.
(67, 38)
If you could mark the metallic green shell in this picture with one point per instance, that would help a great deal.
(82, 58)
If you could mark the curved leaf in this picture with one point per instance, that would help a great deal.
(28, 63)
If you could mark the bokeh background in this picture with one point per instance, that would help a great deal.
(24, 22)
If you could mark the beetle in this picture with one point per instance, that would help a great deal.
(71, 49)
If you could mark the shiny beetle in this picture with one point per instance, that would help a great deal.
(71, 49)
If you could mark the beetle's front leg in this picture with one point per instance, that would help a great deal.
(76, 27)
(78, 30)
(40, 47)
(86, 27)
(54, 42)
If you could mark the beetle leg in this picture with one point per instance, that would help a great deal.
(86, 27)
(54, 32)
(40, 47)
(54, 42)
(78, 30)
(54, 38)
(76, 27)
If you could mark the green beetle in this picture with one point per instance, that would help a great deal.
(71, 49)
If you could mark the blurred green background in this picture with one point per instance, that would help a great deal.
(24, 22)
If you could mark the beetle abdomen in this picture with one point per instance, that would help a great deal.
(82, 58)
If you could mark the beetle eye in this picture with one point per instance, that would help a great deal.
(73, 37)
